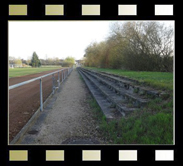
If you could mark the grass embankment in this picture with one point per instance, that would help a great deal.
(151, 125)
(15, 72)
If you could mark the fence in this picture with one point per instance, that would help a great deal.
(63, 72)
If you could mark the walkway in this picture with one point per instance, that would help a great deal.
(67, 116)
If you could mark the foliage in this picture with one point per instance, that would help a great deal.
(50, 61)
(68, 62)
(142, 46)
(18, 61)
(35, 62)
(11, 59)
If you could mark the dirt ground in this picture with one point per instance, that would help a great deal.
(69, 119)
(25, 100)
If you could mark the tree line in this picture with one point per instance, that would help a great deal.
(140, 46)
(36, 62)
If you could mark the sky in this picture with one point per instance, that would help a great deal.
(51, 39)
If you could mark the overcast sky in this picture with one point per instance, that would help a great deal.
(60, 39)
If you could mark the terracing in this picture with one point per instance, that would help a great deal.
(116, 95)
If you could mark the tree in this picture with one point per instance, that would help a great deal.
(18, 62)
(68, 62)
(11, 59)
(140, 46)
(35, 62)
(149, 45)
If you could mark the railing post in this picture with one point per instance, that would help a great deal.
(41, 95)
(64, 74)
(53, 86)
(58, 79)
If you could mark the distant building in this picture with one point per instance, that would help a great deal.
(80, 62)
(15, 65)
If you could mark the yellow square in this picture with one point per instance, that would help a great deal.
(54, 155)
(18, 155)
(18, 10)
(54, 10)
(90, 9)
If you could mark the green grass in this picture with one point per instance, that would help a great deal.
(161, 80)
(16, 72)
(151, 125)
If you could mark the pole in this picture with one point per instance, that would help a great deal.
(41, 95)
(53, 87)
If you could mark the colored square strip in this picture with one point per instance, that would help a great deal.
(90, 10)
(91, 155)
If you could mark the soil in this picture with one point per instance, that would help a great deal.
(68, 119)
(25, 100)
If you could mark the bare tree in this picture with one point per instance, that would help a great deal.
(146, 46)
(148, 43)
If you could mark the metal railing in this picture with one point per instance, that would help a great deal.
(64, 73)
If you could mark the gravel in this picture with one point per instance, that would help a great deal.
(70, 117)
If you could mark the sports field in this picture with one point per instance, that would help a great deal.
(16, 72)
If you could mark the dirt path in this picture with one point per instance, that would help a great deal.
(69, 117)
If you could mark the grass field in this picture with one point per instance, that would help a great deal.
(162, 80)
(15, 72)
(152, 124)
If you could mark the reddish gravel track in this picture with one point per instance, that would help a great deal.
(25, 100)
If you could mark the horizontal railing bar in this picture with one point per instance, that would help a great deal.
(34, 79)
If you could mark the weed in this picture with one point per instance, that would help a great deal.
(135, 90)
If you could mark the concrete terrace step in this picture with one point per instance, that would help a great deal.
(138, 102)
(135, 99)
(131, 85)
(104, 104)
(111, 96)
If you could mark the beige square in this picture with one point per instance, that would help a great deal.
(91, 155)
(17, 10)
(54, 155)
(90, 9)
(54, 10)
(127, 155)
(18, 155)
(127, 9)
